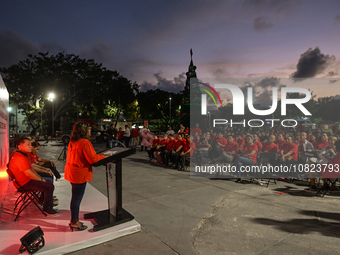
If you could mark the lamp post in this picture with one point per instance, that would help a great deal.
(170, 110)
(51, 96)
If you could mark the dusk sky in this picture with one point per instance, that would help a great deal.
(149, 41)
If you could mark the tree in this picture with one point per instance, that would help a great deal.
(81, 86)
(155, 104)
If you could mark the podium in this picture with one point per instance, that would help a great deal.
(115, 214)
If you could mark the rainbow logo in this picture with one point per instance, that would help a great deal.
(209, 93)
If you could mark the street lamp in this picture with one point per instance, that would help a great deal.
(170, 110)
(51, 96)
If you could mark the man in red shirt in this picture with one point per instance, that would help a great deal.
(21, 167)
(289, 152)
(166, 155)
(249, 156)
(196, 129)
(322, 143)
(152, 149)
(176, 150)
(271, 146)
(257, 142)
(187, 152)
(135, 136)
(281, 142)
(229, 151)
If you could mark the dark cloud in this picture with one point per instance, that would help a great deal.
(262, 92)
(311, 63)
(333, 81)
(175, 85)
(15, 48)
(98, 50)
(52, 47)
(261, 24)
(337, 18)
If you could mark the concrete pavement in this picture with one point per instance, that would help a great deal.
(183, 215)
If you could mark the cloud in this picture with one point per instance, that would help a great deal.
(333, 81)
(97, 50)
(261, 24)
(52, 47)
(337, 18)
(175, 85)
(15, 48)
(311, 63)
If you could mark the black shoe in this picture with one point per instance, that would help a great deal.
(239, 180)
(79, 228)
(51, 212)
(175, 167)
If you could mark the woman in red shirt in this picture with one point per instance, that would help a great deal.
(78, 168)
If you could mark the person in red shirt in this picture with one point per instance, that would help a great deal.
(289, 152)
(153, 147)
(161, 147)
(257, 142)
(322, 143)
(78, 169)
(240, 140)
(120, 134)
(248, 157)
(166, 155)
(187, 152)
(229, 151)
(313, 141)
(196, 129)
(271, 146)
(176, 150)
(135, 137)
(281, 142)
(21, 167)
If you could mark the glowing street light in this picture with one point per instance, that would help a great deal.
(51, 96)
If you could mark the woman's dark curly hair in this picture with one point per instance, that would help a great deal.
(79, 131)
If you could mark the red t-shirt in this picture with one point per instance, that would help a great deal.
(163, 142)
(135, 132)
(80, 158)
(120, 134)
(270, 147)
(19, 163)
(248, 148)
(171, 144)
(178, 144)
(240, 142)
(187, 146)
(229, 147)
(155, 142)
(33, 157)
(281, 143)
(327, 171)
(222, 140)
(196, 130)
(293, 147)
(259, 145)
(320, 145)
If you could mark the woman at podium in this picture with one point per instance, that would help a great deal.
(78, 168)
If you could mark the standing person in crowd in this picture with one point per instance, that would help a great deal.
(120, 135)
(170, 131)
(135, 136)
(112, 132)
(21, 167)
(127, 135)
(78, 169)
(141, 134)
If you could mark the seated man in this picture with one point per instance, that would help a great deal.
(21, 167)
(187, 152)
(166, 154)
(271, 146)
(289, 152)
(248, 157)
(229, 151)
(176, 150)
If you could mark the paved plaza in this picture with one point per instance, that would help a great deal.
(183, 215)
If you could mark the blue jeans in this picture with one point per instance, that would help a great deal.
(78, 191)
(240, 161)
(46, 187)
(112, 143)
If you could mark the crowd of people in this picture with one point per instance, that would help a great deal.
(239, 148)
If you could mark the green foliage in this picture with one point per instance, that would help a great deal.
(74, 81)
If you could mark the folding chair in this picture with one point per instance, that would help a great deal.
(330, 183)
(268, 158)
(25, 198)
